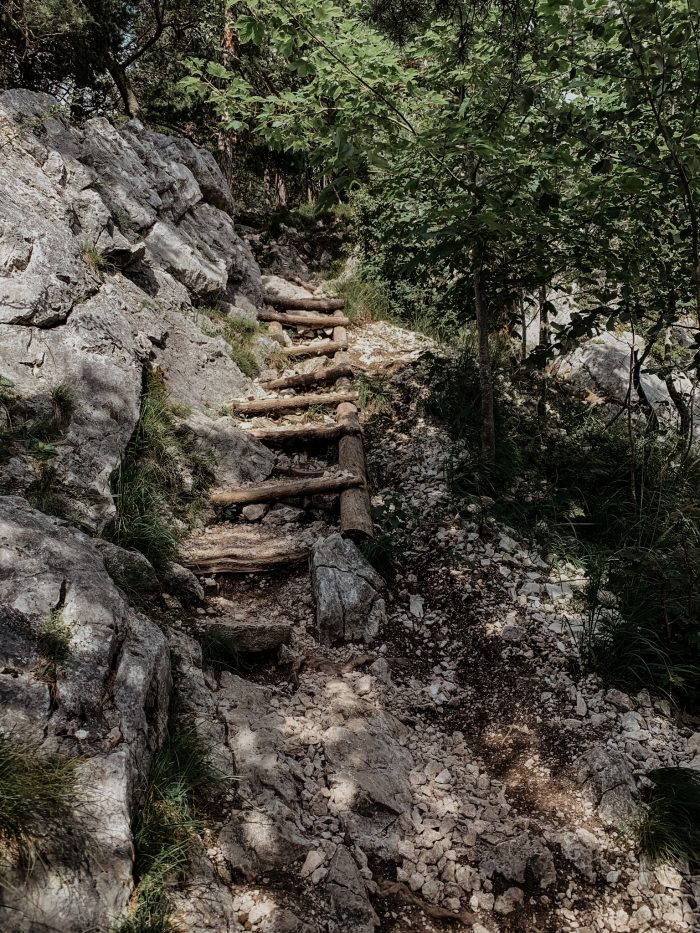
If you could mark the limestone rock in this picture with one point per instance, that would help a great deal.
(609, 784)
(346, 589)
(182, 583)
(128, 568)
(346, 890)
(114, 681)
(251, 635)
(151, 206)
(519, 858)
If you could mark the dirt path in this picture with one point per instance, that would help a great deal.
(459, 770)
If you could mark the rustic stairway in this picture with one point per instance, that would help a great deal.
(244, 547)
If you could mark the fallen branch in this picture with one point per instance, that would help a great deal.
(318, 377)
(304, 433)
(312, 321)
(397, 888)
(322, 348)
(265, 405)
(306, 304)
(288, 489)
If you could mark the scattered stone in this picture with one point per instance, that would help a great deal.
(255, 511)
(507, 902)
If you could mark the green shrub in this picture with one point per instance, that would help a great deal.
(627, 511)
(167, 826)
(670, 825)
(36, 796)
(149, 490)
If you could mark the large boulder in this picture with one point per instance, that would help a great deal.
(105, 704)
(347, 591)
(107, 236)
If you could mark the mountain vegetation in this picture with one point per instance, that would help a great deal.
(512, 179)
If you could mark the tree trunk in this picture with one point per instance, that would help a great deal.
(523, 326)
(488, 423)
(132, 108)
(685, 420)
(544, 342)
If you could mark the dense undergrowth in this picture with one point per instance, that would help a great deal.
(161, 482)
(625, 507)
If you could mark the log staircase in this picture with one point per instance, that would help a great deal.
(243, 547)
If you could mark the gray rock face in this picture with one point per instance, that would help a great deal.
(129, 569)
(346, 890)
(346, 589)
(250, 636)
(106, 235)
(106, 703)
(609, 784)
(263, 834)
(601, 364)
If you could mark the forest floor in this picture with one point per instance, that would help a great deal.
(496, 776)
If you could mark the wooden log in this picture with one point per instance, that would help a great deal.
(244, 561)
(304, 433)
(355, 505)
(311, 321)
(317, 377)
(276, 332)
(244, 549)
(322, 348)
(264, 406)
(306, 304)
(286, 489)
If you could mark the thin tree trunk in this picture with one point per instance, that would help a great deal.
(488, 424)
(544, 342)
(132, 108)
(685, 421)
(523, 325)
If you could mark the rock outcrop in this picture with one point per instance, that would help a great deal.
(110, 239)
(105, 703)
(346, 588)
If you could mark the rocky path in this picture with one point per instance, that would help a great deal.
(423, 752)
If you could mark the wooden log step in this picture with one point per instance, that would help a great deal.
(270, 491)
(303, 433)
(317, 377)
(244, 549)
(306, 304)
(355, 505)
(322, 348)
(310, 321)
(264, 406)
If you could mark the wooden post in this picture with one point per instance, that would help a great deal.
(355, 506)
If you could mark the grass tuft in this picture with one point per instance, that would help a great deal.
(64, 400)
(670, 826)
(151, 495)
(167, 826)
(374, 393)
(36, 796)
(53, 638)
(95, 258)
(219, 648)
(365, 299)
